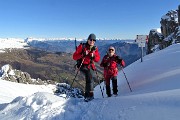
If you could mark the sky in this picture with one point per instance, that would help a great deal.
(155, 95)
(122, 19)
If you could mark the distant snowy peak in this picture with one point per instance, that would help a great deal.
(30, 39)
(6, 43)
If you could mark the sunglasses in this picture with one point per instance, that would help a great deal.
(111, 49)
(92, 40)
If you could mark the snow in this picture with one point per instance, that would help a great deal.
(10, 90)
(7, 43)
(159, 30)
(155, 95)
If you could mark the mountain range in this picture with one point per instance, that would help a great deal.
(52, 59)
(127, 49)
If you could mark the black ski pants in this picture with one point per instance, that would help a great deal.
(89, 76)
(114, 85)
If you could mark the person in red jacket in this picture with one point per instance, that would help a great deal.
(110, 63)
(86, 54)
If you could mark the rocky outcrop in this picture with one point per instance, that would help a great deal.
(155, 38)
(169, 31)
(9, 74)
(169, 22)
(177, 34)
(179, 15)
(177, 31)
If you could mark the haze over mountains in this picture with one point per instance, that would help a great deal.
(127, 49)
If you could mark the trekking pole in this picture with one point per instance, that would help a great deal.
(75, 44)
(77, 72)
(99, 84)
(103, 84)
(126, 78)
(79, 66)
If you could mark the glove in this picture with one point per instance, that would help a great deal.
(93, 48)
(105, 64)
(118, 59)
(92, 55)
(85, 53)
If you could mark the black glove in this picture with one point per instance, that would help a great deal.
(118, 59)
(105, 64)
(93, 48)
(92, 55)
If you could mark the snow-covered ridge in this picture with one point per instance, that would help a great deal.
(6, 43)
(29, 39)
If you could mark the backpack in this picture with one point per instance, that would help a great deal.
(79, 61)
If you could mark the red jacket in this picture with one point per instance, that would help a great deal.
(110, 65)
(78, 54)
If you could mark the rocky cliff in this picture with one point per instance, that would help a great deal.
(169, 31)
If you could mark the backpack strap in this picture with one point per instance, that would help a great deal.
(79, 61)
(83, 47)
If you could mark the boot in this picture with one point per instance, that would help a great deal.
(89, 96)
(86, 95)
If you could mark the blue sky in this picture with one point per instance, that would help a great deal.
(78, 18)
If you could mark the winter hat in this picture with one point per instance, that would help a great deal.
(92, 36)
(111, 47)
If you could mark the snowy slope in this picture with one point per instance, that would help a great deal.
(11, 90)
(155, 84)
